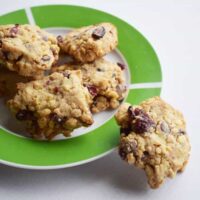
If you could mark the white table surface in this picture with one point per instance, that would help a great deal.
(173, 28)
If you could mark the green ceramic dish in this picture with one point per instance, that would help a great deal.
(145, 78)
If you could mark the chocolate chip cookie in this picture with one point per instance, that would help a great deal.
(153, 138)
(89, 43)
(56, 104)
(27, 49)
(104, 80)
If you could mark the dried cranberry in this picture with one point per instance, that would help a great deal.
(142, 125)
(92, 89)
(46, 58)
(98, 33)
(24, 115)
(48, 82)
(59, 38)
(122, 66)
(127, 147)
(66, 74)
(54, 117)
(56, 90)
(14, 30)
(133, 113)
(138, 112)
(139, 120)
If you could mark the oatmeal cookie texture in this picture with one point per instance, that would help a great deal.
(55, 104)
(89, 43)
(27, 49)
(153, 138)
(104, 80)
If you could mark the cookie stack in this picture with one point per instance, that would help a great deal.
(65, 99)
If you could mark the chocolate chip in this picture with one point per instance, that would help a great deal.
(24, 115)
(127, 147)
(92, 89)
(98, 33)
(14, 30)
(165, 127)
(182, 132)
(99, 70)
(145, 156)
(66, 74)
(1, 44)
(46, 58)
(54, 117)
(122, 66)
(59, 38)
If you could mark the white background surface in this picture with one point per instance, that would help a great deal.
(173, 28)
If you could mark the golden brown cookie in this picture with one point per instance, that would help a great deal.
(153, 138)
(104, 80)
(55, 104)
(27, 49)
(89, 43)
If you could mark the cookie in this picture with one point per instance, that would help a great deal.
(56, 104)
(153, 138)
(27, 49)
(104, 80)
(90, 43)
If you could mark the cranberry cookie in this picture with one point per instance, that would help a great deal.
(27, 49)
(104, 80)
(153, 138)
(55, 104)
(89, 43)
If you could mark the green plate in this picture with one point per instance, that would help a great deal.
(145, 81)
